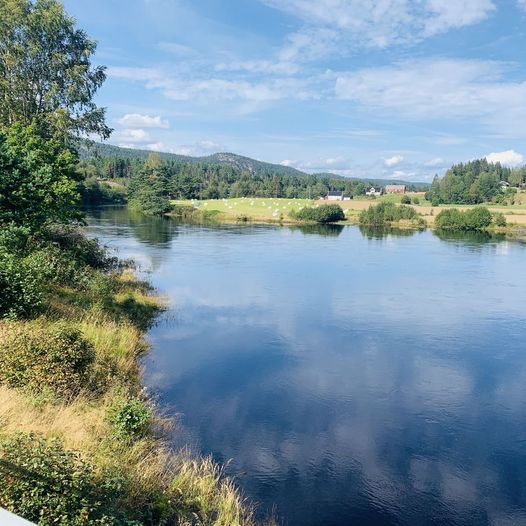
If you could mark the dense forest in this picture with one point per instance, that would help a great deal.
(215, 177)
(475, 182)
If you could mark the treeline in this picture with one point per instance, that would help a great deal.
(475, 182)
(211, 180)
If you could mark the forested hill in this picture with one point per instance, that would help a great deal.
(237, 162)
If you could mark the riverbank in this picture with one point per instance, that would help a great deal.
(78, 428)
(278, 211)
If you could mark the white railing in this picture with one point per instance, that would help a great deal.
(8, 519)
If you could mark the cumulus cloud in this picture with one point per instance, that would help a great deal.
(136, 120)
(393, 161)
(507, 158)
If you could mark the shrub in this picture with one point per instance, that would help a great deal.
(450, 219)
(40, 358)
(477, 218)
(435, 201)
(416, 201)
(406, 200)
(499, 219)
(130, 417)
(321, 214)
(21, 286)
(383, 213)
(50, 486)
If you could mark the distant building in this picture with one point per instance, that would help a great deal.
(334, 196)
(374, 191)
(395, 189)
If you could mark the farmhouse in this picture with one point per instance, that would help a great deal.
(374, 191)
(334, 196)
(395, 189)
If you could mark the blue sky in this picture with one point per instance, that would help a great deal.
(378, 88)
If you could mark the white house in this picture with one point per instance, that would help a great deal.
(373, 191)
(334, 196)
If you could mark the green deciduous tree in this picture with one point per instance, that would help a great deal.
(46, 73)
(38, 182)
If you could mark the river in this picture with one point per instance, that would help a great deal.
(346, 377)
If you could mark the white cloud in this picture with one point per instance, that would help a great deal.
(400, 174)
(132, 135)
(507, 158)
(381, 23)
(437, 161)
(440, 88)
(521, 4)
(136, 120)
(393, 161)
(288, 162)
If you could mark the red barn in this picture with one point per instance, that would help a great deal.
(395, 189)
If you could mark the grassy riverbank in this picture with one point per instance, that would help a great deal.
(81, 443)
(278, 210)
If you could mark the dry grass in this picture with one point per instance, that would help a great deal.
(186, 490)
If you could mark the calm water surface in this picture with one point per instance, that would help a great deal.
(353, 378)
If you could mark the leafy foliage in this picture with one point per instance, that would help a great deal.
(37, 179)
(21, 286)
(46, 75)
(37, 357)
(387, 212)
(320, 214)
(472, 183)
(46, 484)
(477, 218)
(148, 190)
(130, 417)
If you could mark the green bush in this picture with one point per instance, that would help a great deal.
(406, 200)
(416, 201)
(386, 212)
(21, 286)
(499, 219)
(320, 214)
(50, 486)
(477, 218)
(40, 358)
(435, 201)
(130, 417)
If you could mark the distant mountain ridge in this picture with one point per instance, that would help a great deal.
(223, 158)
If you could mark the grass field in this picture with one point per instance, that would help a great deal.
(278, 210)
(254, 209)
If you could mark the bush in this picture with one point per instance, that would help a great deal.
(435, 201)
(416, 201)
(321, 214)
(383, 213)
(499, 219)
(406, 200)
(21, 286)
(130, 417)
(40, 358)
(477, 218)
(50, 486)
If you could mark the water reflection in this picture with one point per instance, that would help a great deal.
(319, 230)
(351, 382)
